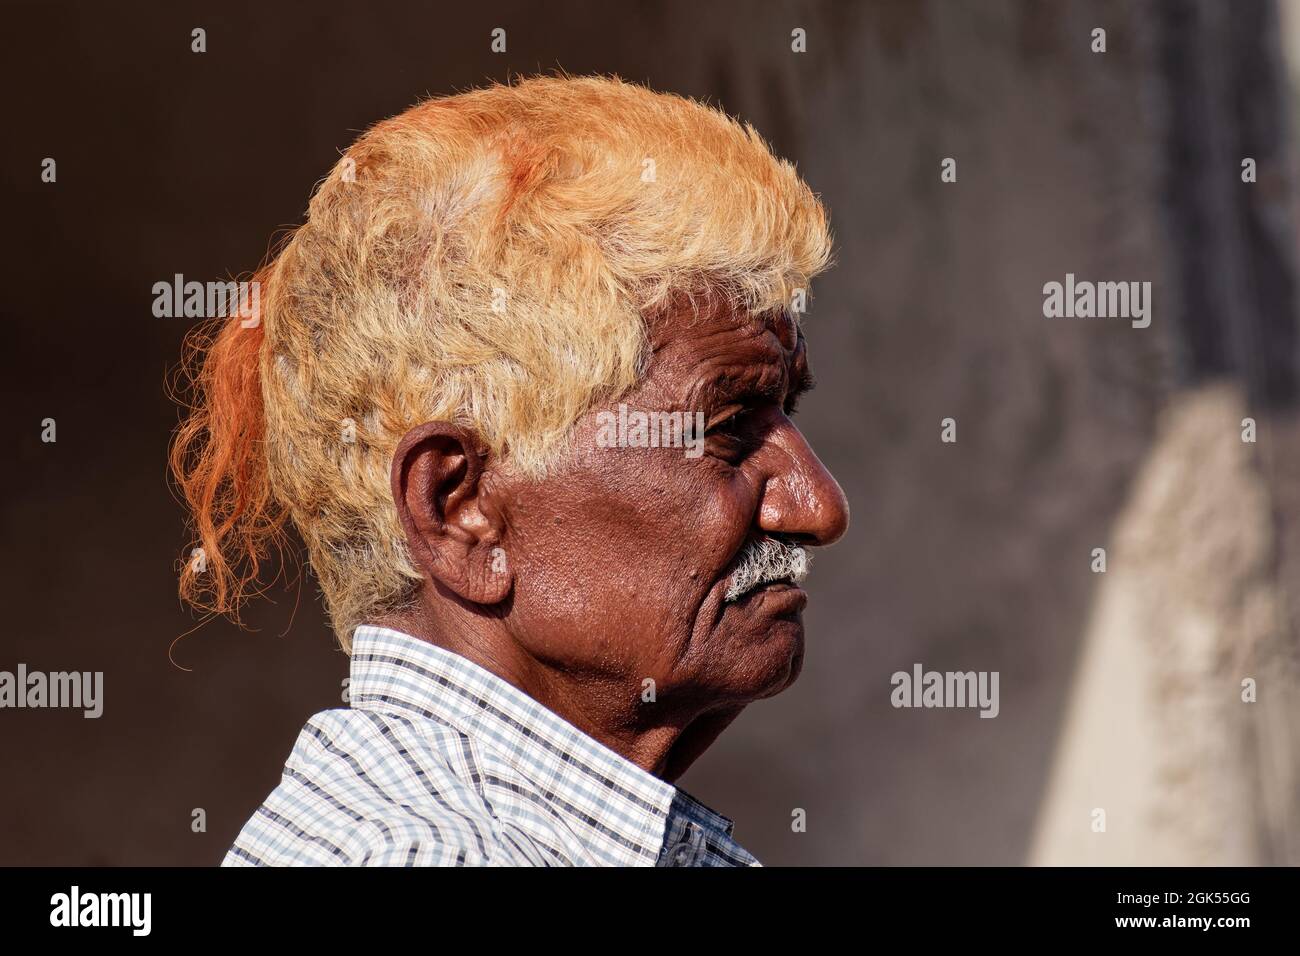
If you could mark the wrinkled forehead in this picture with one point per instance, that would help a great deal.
(698, 347)
(706, 328)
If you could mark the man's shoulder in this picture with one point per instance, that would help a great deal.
(374, 789)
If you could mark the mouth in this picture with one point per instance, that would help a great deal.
(782, 598)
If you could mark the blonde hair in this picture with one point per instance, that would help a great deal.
(487, 259)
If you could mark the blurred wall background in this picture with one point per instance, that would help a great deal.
(1119, 691)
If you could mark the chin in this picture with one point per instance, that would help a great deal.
(773, 655)
(785, 646)
(758, 643)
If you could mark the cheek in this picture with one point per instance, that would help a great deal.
(615, 566)
(683, 520)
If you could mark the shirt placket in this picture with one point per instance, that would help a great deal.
(683, 844)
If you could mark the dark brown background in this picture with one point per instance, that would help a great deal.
(971, 556)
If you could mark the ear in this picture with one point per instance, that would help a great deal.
(454, 534)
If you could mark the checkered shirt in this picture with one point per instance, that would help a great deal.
(440, 762)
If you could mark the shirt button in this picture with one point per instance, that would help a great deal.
(683, 854)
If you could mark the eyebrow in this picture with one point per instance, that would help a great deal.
(802, 383)
(749, 386)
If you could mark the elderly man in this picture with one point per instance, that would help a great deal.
(523, 382)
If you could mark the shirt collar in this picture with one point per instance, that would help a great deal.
(650, 819)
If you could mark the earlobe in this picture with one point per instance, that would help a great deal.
(453, 535)
(493, 577)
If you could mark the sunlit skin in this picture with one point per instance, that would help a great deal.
(578, 587)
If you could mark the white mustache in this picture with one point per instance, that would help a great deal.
(767, 560)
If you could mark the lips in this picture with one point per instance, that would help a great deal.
(779, 598)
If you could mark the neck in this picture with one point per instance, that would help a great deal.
(659, 740)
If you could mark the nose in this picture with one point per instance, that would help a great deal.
(801, 498)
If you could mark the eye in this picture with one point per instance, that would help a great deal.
(729, 425)
(733, 438)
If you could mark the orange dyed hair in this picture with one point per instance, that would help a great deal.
(219, 464)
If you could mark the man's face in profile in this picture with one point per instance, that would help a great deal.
(623, 557)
